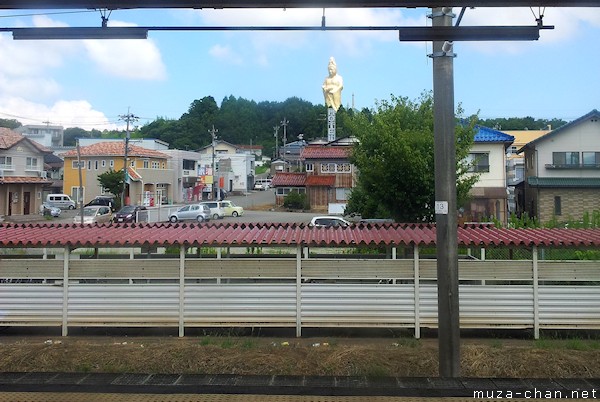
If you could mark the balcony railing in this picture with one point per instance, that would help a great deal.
(572, 166)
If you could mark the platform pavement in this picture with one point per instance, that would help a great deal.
(93, 385)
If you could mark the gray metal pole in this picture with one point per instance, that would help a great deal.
(80, 192)
(215, 192)
(445, 200)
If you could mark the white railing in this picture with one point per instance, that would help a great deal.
(293, 291)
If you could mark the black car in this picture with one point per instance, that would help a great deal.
(102, 201)
(129, 214)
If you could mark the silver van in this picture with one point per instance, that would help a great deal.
(61, 201)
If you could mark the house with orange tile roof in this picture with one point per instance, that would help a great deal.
(149, 176)
(22, 175)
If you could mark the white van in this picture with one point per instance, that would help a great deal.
(216, 210)
(262, 184)
(61, 201)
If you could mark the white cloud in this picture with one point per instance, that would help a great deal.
(266, 44)
(225, 54)
(24, 71)
(127, 58)
(66, 113)
(26, 74)
(568, 24)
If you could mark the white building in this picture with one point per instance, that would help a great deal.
(489, 195)
(235, 168)
(45, 135)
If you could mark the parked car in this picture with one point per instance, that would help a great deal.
(49, 210)
(62, 201)
(94, 214)
(216, 210)
(107, 201)
(230, 209)
(262, 184)
(329, 221)
(129, 214)
(198, 212)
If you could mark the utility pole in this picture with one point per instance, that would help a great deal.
(128, 118)
(276, 128)
(284, 124)
(445, 199)
(80, 192)
(213, 133)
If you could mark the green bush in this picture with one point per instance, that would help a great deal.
(295, 200)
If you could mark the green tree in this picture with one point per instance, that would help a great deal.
(71, 134)
(113, 182)
(522, 123)
(10, 123)
(295, 200)
(395, 160)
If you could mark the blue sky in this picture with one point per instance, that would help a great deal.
(90, 83)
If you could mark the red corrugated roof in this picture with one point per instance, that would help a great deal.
(320, 180)
(284, 234)
(289, 179)
(325, 152)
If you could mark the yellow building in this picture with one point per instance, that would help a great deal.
(148, 171)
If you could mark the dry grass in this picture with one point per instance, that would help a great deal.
(270, 356)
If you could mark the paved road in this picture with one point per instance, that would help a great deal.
(255, 203)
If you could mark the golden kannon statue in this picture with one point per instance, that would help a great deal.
(332, 86)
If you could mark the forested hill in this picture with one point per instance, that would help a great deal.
(242, 121)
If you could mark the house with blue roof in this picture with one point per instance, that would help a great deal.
(489, 196)
(562, 171)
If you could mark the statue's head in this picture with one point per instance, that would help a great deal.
(332, 67)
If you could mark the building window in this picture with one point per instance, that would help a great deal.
(89, 165)
(310, 167)
(155, 165)
(31, 164)
(342, 168)
(189, 164)
(565, 158)
(163, 165)
(132, 163)
(75, 194)
(342, 194)
(146, 164)
(591, 158)
(103, 163)
(95, 165)
(479, 162)
(335, 168)
(74, 164)
(6, 163)
(287, 190)
(111, 163)
(557, 206)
